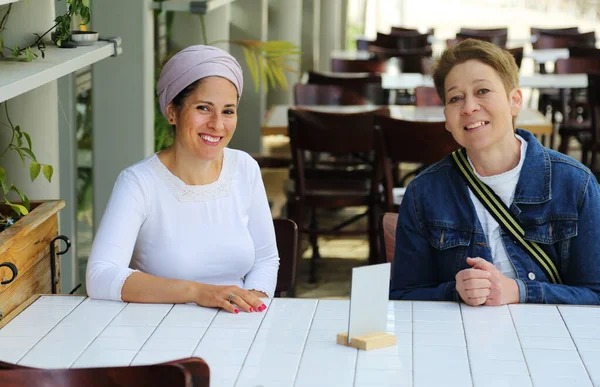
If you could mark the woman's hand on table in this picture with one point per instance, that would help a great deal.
(504, 290)
(230, 298)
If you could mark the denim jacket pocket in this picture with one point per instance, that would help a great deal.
(551, 231)
(443, 238)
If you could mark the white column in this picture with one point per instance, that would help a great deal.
(330, 34)
(248, 21)
(122, 95)
(311, 9)
(343, 23)
(67, 122)
(187, 28)
(285, 23)
(35, 111)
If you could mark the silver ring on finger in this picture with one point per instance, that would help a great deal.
(231, 297)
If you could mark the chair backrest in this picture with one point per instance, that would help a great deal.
(358, 65)
(536, 31)
(311, 94)
(484, 31)
(497, 39)
(517, 52)
(387, 236)
(584, 52)
(407, 31)
(593, 94)
(411, 61)
(427, 96)
(364, 84)
(286, 234)
(548, 40)
(363, 44)
(154, 375)
(402, 41)
(336, 134)
(577, 66)
(409, 141)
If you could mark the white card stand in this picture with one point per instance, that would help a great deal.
(369, 297)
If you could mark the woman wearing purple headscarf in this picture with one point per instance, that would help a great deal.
(190, 224)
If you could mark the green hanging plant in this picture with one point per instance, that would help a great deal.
(20, 142)
(60, 36)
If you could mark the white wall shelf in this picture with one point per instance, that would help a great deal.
(5, 2)
(19, 77)
(198, 6)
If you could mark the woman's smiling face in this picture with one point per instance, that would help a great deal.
(207, 118)
(479, 111)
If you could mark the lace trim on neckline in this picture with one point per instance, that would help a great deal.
(198, 193)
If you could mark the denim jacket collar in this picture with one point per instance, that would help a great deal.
(534, 187)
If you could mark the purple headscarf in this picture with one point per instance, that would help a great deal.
(193, 63)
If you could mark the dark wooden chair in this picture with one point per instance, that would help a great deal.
(499, 39)
(363, 44)
(364, 84)
(574, 105)
(319, 186)
(484, 31)
(411, 61)
(358, 66)
(387, 234)
(548, 40)
(536, 31)
(190, 372)
(400, 41)
(409, 141)
(309, 94)
(517, 53)
(427, 96)
(584, 52)
(407, 31)
(286, 233)
(594, 100)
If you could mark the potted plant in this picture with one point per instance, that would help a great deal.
(27, 230)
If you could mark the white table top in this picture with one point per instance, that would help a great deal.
(276, 121)
(547, 55)
(293, 342)
(413, 80)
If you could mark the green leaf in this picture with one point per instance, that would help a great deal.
(34, 170)
(20, 152)
(23, 197)
(28, 153)
(16, 51)
(48, 171)
(251, 61)
(28, 138)
(19, 209)
(28, 55)
(59, 42)
(2, 175)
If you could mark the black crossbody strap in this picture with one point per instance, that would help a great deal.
(503, 216)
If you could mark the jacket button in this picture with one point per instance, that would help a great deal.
(531, 276)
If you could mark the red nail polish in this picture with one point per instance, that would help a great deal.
(236, 311)
(251, 309)
(263, 307)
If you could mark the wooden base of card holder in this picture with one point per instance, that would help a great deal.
(368, 342)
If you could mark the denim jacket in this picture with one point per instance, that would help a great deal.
(557, 200)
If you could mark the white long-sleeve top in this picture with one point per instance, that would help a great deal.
(220, 233)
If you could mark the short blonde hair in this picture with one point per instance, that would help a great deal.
(499, 59)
